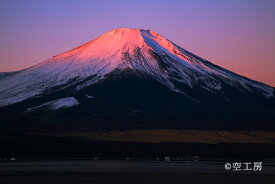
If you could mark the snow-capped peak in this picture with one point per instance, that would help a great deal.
(136, 49)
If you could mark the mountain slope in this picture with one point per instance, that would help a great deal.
(140, 50)
(138, 76)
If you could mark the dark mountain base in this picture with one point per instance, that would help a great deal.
(136, 101)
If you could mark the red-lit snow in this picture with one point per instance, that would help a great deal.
(120, 49)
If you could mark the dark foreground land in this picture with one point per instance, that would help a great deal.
(128, 172)
(50, 159)
(115, 146)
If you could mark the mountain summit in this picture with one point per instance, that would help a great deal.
(138, 50)
(134, 70)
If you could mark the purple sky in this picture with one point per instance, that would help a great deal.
(236, 34)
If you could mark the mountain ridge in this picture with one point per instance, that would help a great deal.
(136, 49)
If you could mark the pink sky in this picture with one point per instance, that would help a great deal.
(237, 35)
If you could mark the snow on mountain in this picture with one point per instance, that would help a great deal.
(56, 104)
(135, 49)
(89, 96)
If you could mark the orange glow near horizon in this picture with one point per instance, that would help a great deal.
(236, 35)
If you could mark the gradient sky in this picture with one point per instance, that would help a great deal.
(236, 34)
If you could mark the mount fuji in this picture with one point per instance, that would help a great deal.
(134, 78)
